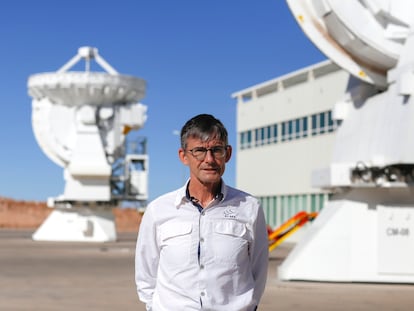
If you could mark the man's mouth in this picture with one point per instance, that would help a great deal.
(211, 169)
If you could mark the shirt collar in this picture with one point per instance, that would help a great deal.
(183, 196)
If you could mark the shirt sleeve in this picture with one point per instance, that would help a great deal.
(260, 255)
(146, 259)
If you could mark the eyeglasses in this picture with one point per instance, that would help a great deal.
(200, 153)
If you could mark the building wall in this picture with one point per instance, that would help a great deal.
(285, 131)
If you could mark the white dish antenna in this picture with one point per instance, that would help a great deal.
(364, 232)
(80, 120)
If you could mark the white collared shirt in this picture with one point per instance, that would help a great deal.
(211, 260)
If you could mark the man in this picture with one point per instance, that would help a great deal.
(203, 246)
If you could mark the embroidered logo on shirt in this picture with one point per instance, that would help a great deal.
(229, 213)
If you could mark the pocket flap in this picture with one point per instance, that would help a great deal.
(230, 228)
(175, 229)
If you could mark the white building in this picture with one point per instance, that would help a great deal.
(284, 132)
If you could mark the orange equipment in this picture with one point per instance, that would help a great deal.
(277, 236)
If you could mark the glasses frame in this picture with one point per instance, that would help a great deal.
(201, 149)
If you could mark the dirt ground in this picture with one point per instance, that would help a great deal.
(99, 276)
(56, 276)
(16, 214)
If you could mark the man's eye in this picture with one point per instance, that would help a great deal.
(199, 150)
(217, 149)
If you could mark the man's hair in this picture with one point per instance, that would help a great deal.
(204, 127)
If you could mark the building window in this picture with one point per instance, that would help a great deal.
(274, 136)
(314, 202)
(279, 209)
(314, 124)
(305, 126)
(331, 123)
(267, 135)
(245, 140)
(298, 128)
(322, 123)
(294, 129)
(284, 131)
(290, 130)
(322, 199)
(257, 137)
(269, 205)
(301, 127)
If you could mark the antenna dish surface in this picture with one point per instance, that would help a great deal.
(64, 102)
(365, 38)
(86, 88)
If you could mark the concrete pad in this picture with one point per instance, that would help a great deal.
(63, 276)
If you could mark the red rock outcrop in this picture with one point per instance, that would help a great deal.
(16, 214)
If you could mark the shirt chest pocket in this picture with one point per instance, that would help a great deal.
(230, 242)
(175, 242)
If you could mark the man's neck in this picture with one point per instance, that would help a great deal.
(203, 194)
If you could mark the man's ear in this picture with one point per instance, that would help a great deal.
(228, 153)
(183, 156)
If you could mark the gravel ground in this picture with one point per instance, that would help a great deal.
(100, 276)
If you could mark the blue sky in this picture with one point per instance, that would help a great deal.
(193, 55)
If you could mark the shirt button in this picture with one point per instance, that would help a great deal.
(203, 213)
(201, 266)
(201, 239)
(202, 293)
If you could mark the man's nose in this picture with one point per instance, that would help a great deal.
(209, 155)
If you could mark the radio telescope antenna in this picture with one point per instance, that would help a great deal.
(365, 232)
(81, 120)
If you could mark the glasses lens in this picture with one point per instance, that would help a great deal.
(218, 151)
(199, 153)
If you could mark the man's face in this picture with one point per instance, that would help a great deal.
(208, 169)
